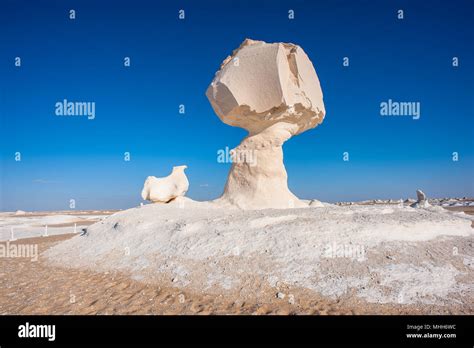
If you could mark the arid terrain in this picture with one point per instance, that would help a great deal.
(38, 288)
(41, 287)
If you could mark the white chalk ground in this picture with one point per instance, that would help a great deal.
(381, 254)
(20, 224)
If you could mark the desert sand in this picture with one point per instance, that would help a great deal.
(433, 280)
(40, 288)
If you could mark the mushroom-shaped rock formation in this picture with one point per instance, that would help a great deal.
(164, 190)
(271, 90)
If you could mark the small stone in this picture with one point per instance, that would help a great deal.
(316, 203)
(280, 295)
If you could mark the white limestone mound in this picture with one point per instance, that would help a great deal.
(164, 190)
(326, 249)
(272, 90)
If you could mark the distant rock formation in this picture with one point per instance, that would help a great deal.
(420, 195)
(271, 90)
(164, 190)
(422, 201)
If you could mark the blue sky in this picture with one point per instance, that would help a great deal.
(172, 63)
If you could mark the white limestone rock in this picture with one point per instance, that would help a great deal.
(422, 201)
(316, 204)
(420, 195)
(271, 90)
(165, 190)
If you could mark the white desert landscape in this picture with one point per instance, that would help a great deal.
(198, 257)
(258, 249)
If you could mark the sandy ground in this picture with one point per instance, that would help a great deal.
(384, 254)
(40, 288)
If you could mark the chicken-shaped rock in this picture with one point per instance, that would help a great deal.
(165, 190)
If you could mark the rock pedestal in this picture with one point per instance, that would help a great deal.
(273, 92)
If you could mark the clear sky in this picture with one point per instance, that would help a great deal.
(172, 63)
